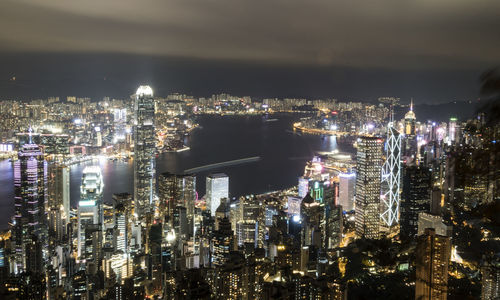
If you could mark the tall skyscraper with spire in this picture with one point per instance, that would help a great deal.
(410, 148)
(410, 120)
(30, 220)
(144, 149)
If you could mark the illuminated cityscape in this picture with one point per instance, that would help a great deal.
(390, 192)
(246, 150)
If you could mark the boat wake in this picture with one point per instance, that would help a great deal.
(223, 164)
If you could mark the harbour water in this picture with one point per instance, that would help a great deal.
(281, 155)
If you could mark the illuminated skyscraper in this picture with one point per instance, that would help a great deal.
(347, 184)
(217, 188)
(368, 168)
(410, 120)
(311, 216)
(58, 199)
(30, 219)
(121, 204)
(410, 141)
(432, 258)
(318, 190)
(222, 242)
(144, 149)
(90, 206)
(120, 123)
(177, 190)
(334, 227)
(391, 177)
(452, 130)
(303, 186)
(490, 273)
(247, 227)
(416, 198)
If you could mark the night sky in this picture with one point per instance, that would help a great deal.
(431, 50)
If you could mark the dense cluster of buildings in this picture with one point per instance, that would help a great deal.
(399, 215)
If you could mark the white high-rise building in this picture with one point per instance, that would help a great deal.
(347, 185)
(217, 188)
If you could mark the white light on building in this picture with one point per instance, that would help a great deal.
(216, 189)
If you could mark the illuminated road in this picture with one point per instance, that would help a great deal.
(223, 164)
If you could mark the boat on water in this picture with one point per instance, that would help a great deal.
(271, 120)
(183, 149)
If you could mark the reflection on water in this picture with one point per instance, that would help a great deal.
(283, 156)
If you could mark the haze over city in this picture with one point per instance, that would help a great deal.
(433, 51)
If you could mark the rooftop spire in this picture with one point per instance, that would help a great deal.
(30, 131)
(411, 104)
(392, 113)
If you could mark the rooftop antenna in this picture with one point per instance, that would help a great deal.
(411, 104)
(30, 131)
(392, 113)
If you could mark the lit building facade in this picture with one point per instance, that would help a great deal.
(144, 149)
(410, 148)
(433, 254)
(90, 206)
(247, 227)
(217, 188)
(490, 273)
(347, 185)
(58, 199)
(30, 220)
(303, 186)
(368, 174)
(416, 198)
(427, 220)
(452, 130)
(222, 243)
(391, 178)
(177, 190)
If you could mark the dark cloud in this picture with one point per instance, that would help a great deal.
(118, 75)
(387, 33)
(432, 50)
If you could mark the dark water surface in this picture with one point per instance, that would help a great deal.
(283, 156)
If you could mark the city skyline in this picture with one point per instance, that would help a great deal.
(392, 194)
(220, 149)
